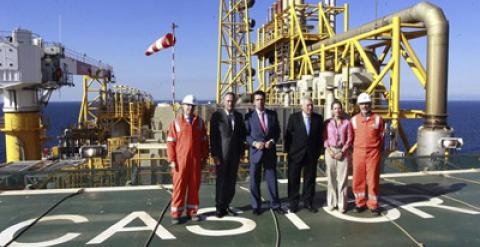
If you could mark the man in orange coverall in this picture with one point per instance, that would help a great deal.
(368, 130)
(187, 149)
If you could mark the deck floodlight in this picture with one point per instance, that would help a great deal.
(93, 151)
(451, 142)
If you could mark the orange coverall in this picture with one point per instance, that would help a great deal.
(367, 146)
(187, 146)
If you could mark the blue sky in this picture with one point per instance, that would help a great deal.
(118, 32)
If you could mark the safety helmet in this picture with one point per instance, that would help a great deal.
(364, 98)
(189, 100)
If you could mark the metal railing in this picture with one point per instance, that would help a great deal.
(134, 172)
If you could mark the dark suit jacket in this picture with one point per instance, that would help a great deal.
(298, 143)
(255, 133)
(226, 144)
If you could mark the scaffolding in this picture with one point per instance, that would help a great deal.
(234, 71)
(104, 108)
(291, 47)
(282, 41)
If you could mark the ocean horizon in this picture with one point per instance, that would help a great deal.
(464, 115)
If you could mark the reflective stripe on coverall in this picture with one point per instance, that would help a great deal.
(187, 146)
(367, 145)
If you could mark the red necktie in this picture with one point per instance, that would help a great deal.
(262, 122)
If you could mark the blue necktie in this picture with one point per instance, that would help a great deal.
(307, 125)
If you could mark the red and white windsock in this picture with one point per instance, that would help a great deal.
(164, 42)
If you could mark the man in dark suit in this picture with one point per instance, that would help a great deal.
(263, 131)
(303, 143)
(227, 137)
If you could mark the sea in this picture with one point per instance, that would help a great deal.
(463, 116)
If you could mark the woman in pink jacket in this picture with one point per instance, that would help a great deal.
(338, 138)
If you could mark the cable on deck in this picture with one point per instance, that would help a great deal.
(275, 222)
(159, 220)
(78, 192)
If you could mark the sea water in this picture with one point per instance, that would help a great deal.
(463, 116)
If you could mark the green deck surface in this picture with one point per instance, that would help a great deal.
(453, 222)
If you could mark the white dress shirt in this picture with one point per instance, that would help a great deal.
(265, 118)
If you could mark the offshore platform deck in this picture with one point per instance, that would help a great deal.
(433, 206)
(301, 51)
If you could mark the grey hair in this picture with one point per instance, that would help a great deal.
(305, 98)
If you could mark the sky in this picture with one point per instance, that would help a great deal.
(119, 31)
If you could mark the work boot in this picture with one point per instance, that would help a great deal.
(358, 209)
(175, 221)
(195, 217)
(375, 211)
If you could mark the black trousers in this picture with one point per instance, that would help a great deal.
(225, 183)
(309, 166)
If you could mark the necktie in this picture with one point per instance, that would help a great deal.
(230, 119)
(189, 120)
(262, 122)
(307, 124)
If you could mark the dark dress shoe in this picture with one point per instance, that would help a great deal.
(220, 213)
(293, 209)
(311, 208)
(257, 211)
(358, 209)
(230, 211)
(279, 210)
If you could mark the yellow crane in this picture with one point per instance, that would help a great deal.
(30, 71)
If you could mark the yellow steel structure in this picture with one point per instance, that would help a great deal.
(108, 110)
(392, 41)
(234, 68)
(23, 131)
(290, 33)
(299, 26)
(91, 106)
(102, 107)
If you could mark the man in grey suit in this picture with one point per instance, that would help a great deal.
(227, 137)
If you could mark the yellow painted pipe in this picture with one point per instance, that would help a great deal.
(22, 136)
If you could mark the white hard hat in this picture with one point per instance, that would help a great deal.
(364, 98)
(189, 100)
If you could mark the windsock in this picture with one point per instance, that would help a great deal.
(164, 42)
